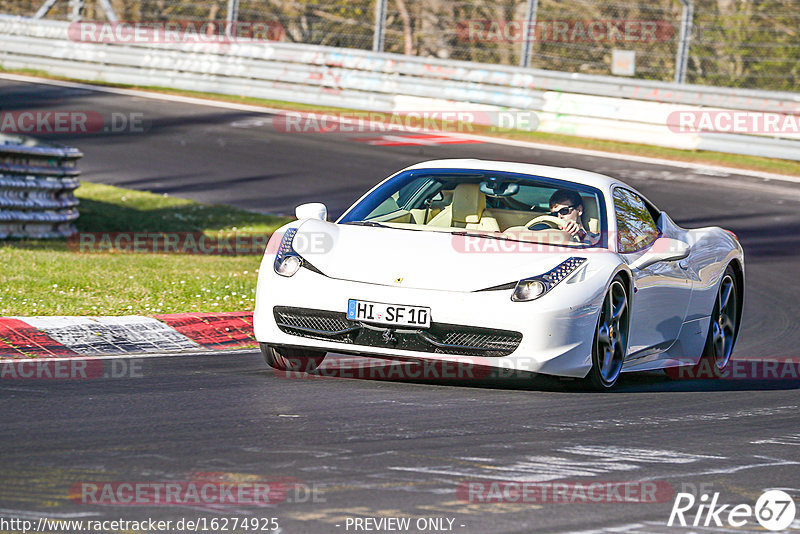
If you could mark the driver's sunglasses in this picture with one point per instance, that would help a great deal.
(563, 211)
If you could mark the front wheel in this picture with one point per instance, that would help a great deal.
(286, 359)
(610, 338)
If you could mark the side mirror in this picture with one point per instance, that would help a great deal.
(662, 249)
(313, 210)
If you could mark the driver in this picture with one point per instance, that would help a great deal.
(567, 205)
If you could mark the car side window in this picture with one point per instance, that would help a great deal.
(636, 228)
(654, 211)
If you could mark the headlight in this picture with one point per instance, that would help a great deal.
(287, 261)
(536, 286)
(527, 290)
(289, 265)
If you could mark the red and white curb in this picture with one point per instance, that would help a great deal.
(63, 336)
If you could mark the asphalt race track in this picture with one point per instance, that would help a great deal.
(371, 447)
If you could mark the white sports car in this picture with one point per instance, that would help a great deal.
(532, 268)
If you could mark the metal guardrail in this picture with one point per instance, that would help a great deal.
(37, 182)
(584, 105)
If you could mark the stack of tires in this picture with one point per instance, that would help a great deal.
(37, 184)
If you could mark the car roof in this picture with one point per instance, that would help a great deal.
(600, 181)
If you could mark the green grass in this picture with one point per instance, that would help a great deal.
(737, 161)
(45, 277)
(106, 208)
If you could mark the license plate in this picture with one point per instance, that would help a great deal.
(393, 314)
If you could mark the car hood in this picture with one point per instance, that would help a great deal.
(422, 259)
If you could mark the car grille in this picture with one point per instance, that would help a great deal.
(440, 338)
(317, 324)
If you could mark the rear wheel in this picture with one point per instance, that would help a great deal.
(721, 336)
(610, 338)
(286, 359)
(724, 323)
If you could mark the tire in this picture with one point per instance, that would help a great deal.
(610, 343)
(286, 359)
(722, 332)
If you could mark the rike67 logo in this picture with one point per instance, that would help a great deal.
(774, 510)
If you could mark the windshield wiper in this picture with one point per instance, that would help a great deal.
(506, 238)
(379, 225)
(367, 223)
(487, 236)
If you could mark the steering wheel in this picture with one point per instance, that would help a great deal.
(549, 220)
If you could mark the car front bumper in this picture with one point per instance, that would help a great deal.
(550, 335)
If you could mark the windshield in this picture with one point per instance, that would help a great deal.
(494, 204)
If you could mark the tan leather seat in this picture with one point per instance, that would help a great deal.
(591, 216)
(468, 210)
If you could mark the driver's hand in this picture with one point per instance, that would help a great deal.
(571, 227)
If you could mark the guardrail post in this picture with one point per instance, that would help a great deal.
(76, 10)
(44, 9)
(232, 18)
(380, 26)
(529, 26)
(109, 10)
(682, 57)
